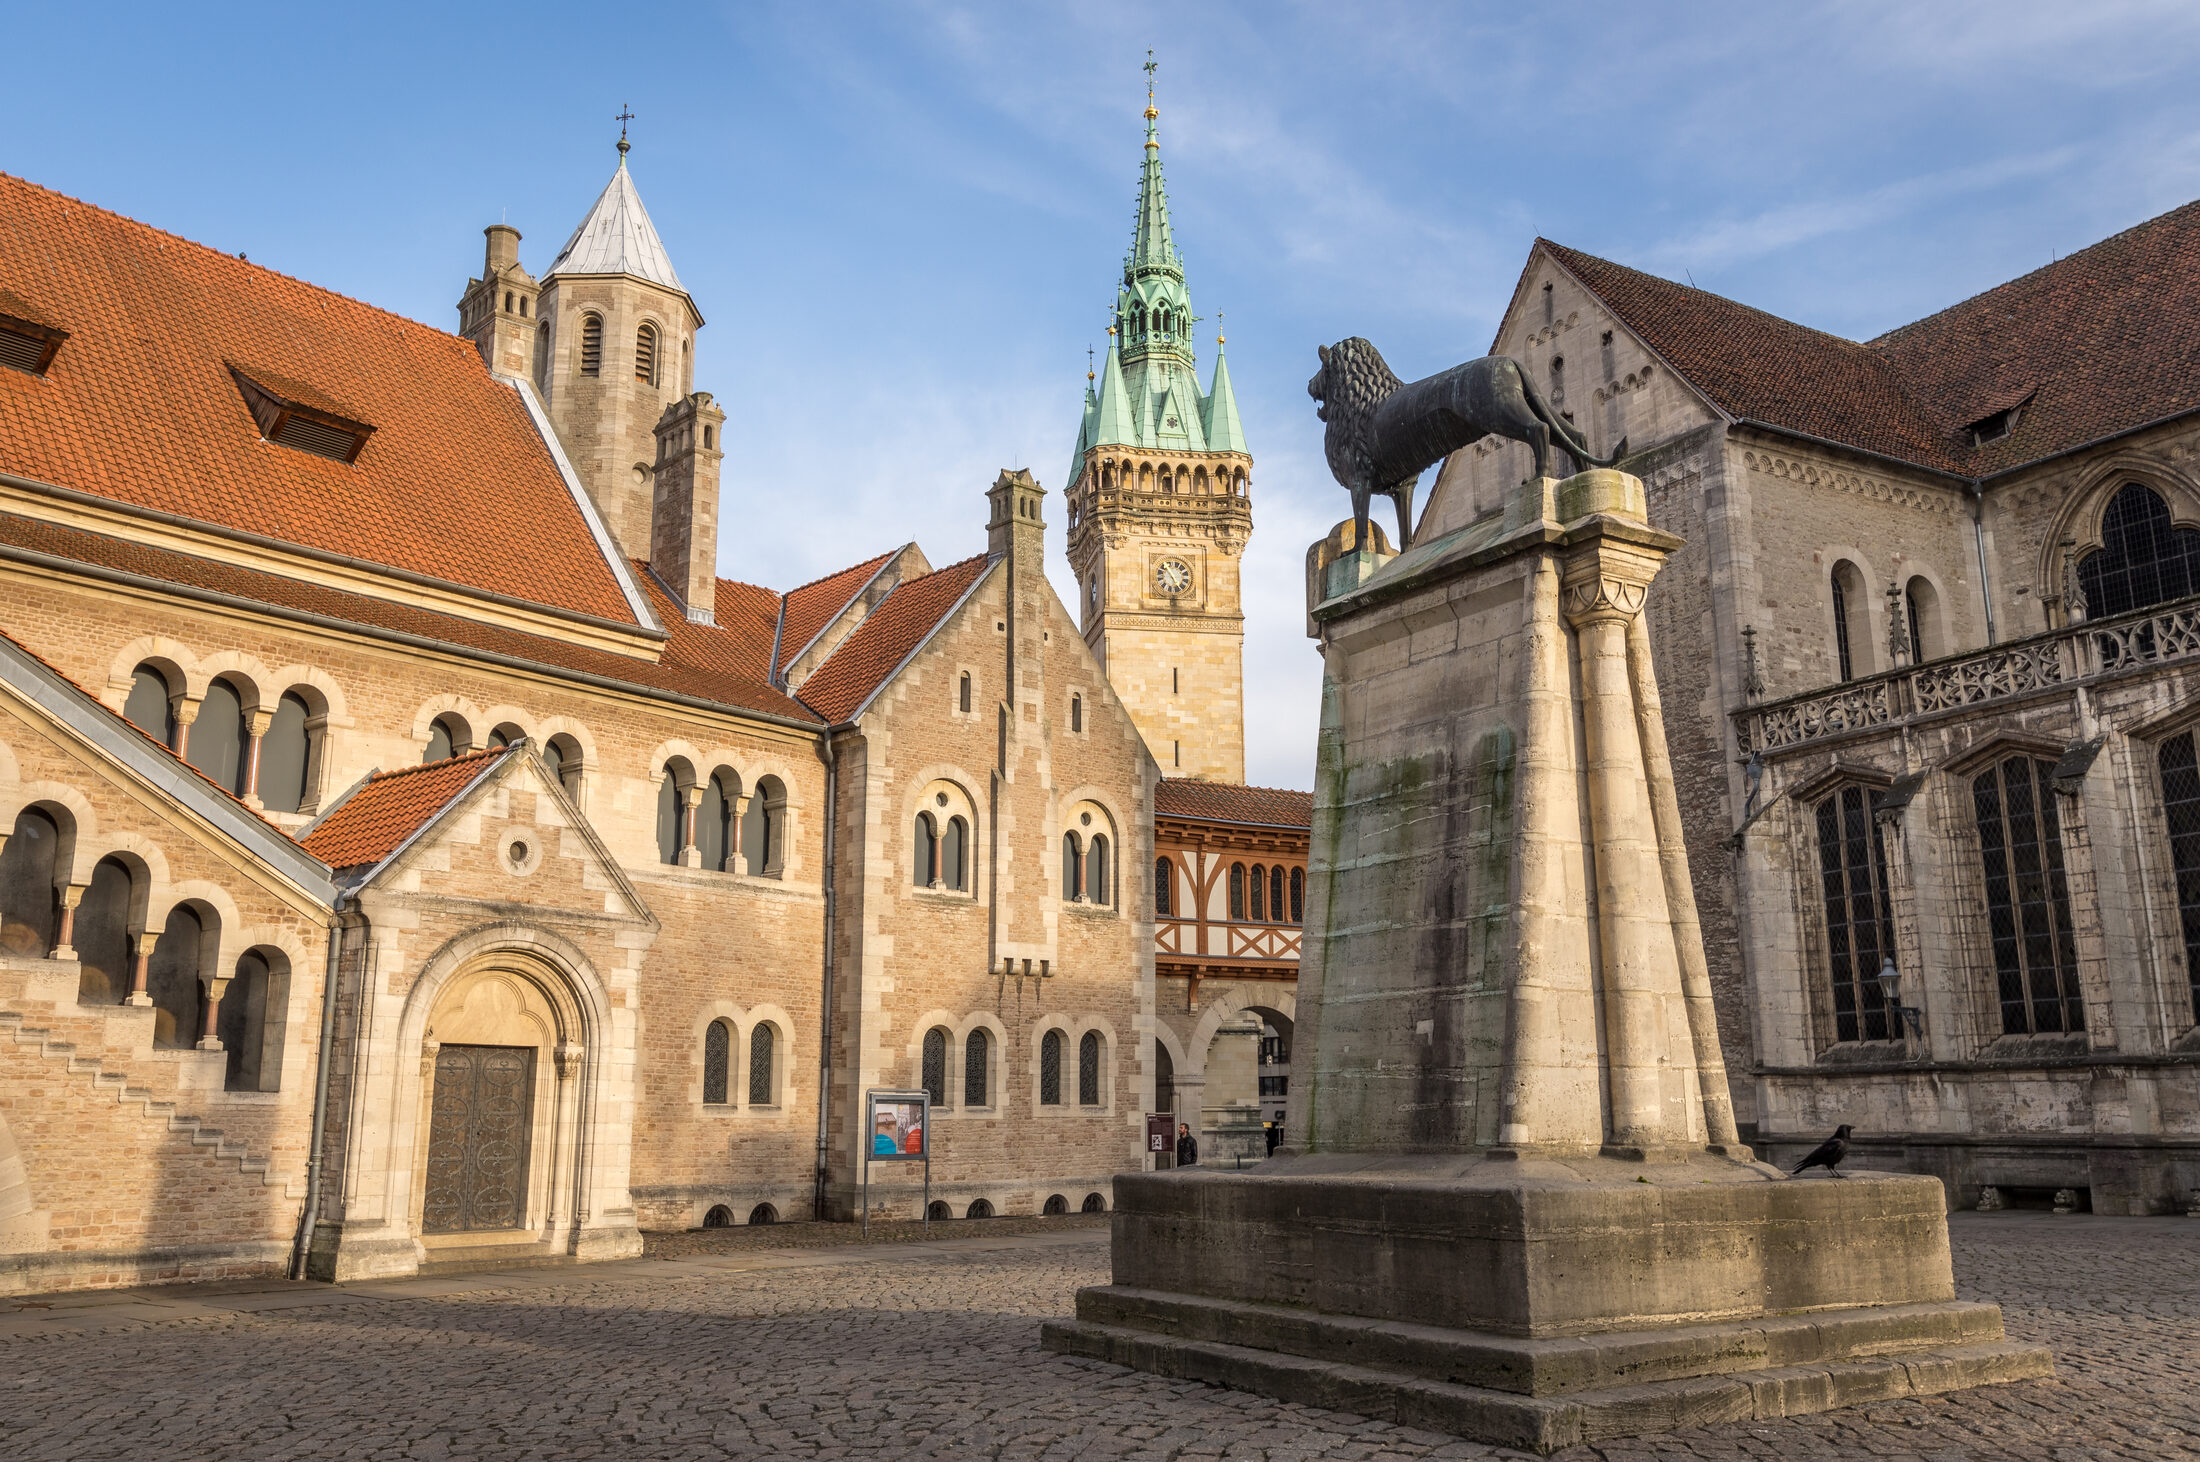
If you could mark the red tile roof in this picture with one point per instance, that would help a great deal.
(2100, 342)
(1186, 797)
(368, 825)
(723, 666)
(816, 604)
(139, 407)
(903, 620)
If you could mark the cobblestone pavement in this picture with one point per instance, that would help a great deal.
(930, 1350)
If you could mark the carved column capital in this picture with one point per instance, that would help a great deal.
(1606, 579)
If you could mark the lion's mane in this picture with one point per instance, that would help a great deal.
(1354, 381)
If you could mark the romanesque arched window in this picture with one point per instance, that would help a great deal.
(977, 1067)
(2027, 900)
(105, 926)
(1237, 890)
(717, 1063)
(591, 345)
(251, 1008)
(151, 706)
(714, 820)
(1852, 873)
(176, 976)
(670, 817)
(1921, 608)
(962, 696)
(763, 1046)
(1050, 1069)
(1073, 868)
(1164, 889)
(924, 862)
(219, 737)
(955, 855)
(764, 830)
(1088, 1070)
(1076, 713)
(448, 736)
(2180, 770)
(1851, 625)
(1098, 889)
(27, 893)
(2144, 558)
(286, 754)
(935, 1065)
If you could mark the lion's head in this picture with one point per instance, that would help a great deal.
(1352, 382)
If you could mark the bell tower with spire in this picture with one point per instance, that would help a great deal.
(1160, 508)
(614, 353)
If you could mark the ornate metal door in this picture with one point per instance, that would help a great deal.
(477, 1138)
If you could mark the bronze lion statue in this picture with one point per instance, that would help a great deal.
(1383, 434)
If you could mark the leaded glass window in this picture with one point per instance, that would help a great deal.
(1260, 893)
(2181, 801)
(2144, 558)
(1164, 888)
(1237, 890)
(717, 1057)
(2027, 901)
(1298, 895)
(935, 1065)
(1275, 893)
(1852, 871)
(976, 1068)
(1073, 872)
(925, 871)
(1088, 1070)
(952, 844)
(761, 1043)
(1050, 1069)
(1097, 889)
(1841, 628)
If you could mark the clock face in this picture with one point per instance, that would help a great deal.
(1172, 576)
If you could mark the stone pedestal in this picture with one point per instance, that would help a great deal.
(1512, 1203)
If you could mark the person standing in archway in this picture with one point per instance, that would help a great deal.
(1187, 1146)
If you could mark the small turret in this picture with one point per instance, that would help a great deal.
(497, 311)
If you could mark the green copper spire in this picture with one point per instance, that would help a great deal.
(1149, 392)
(1224, 434)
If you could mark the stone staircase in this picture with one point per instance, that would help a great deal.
(59, 1033)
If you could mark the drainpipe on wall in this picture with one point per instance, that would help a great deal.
(1978, 536)
(312, 1213)
(825, 1033)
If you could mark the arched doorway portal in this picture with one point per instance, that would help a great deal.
(500, 1064)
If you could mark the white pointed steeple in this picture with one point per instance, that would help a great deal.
(617, 238)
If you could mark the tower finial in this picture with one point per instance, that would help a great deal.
(1088, 363)
(626, 115)
(1218, 325)
(1151, 111)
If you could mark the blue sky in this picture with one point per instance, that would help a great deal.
(904, 222)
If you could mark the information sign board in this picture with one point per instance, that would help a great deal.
(896, 1128)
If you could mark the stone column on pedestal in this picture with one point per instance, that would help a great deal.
(141, 971)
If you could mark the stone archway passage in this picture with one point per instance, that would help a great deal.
(478, 1139)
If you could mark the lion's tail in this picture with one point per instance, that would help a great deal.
(1564, 434)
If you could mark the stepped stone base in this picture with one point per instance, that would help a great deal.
(1539, 1304)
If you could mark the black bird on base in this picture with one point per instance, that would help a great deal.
(1828, 1154)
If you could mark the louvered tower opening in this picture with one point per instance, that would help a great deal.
(592, 345)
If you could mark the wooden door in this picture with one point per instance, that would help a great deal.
(477, 1138)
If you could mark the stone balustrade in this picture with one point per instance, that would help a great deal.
(2054, 661)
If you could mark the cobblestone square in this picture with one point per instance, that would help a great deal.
(784, 1345)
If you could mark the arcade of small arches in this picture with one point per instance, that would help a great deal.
(720, 822)
(973, 1083)
(263, 745)
(69, 893)
(1190, 479)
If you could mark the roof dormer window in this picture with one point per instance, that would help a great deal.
(297, 416)
(1993, 428)
(27, 343)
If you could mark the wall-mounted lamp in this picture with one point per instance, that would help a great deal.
(1890, 991)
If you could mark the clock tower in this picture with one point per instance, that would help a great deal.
(1159, 511)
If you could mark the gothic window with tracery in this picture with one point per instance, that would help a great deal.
(1852, 872)
(2027, 900)
(2144, 557)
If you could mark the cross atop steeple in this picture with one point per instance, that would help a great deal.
(626, 115)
